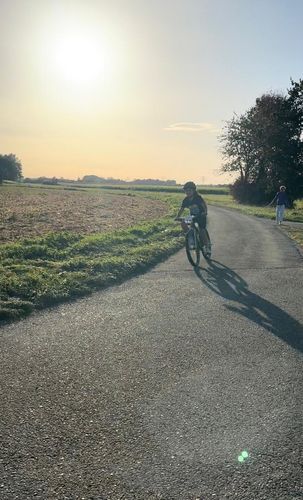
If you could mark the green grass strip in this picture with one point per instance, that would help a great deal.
(40, 272)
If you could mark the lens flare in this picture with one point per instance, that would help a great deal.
(244, 455)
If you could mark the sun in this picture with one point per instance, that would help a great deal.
(81, 58)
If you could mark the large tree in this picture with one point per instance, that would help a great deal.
(295, 97)
(264, 146)
(238, 146)
(10, 168)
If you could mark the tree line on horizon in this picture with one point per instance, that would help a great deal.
(94, 179)
(264, 146)
(11, 170)
(111, 180)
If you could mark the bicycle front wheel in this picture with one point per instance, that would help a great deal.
(192, 248)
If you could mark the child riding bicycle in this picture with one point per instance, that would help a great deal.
(198, 208)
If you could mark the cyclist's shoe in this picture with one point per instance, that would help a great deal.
(206, 249)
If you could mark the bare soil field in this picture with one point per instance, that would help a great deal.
(29, 212)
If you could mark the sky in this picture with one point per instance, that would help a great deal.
(137, 88)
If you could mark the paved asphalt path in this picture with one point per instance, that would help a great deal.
(153, 389)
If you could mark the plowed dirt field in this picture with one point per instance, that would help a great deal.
(29, 212)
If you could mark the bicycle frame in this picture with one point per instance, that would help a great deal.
(193, 251)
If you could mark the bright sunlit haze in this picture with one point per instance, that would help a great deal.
(136, 89)
(80, 58)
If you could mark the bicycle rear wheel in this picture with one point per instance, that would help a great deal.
(192, 251)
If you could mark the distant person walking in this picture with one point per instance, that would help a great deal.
(281, 201)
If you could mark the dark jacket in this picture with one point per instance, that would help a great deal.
(281, 198)
(196, 205)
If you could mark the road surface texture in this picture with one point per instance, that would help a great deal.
(174, 385)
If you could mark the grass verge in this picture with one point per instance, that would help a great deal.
(40, 272)
(295, 233)
(294, 214)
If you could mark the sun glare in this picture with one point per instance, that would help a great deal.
(81, 58)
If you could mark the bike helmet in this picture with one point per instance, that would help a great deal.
(189, 185)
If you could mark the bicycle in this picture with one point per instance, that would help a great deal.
(193, 244)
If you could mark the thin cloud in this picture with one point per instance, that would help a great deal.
(193, 127)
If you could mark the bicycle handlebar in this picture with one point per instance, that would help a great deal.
(188, 218)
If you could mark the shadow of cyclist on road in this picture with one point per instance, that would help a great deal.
(228, 284)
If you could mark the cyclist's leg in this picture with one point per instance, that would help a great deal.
(204, 236)
(202, 230)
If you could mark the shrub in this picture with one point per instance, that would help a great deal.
(245, 192)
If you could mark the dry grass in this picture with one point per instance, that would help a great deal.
(296, 233)
(30, 212)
